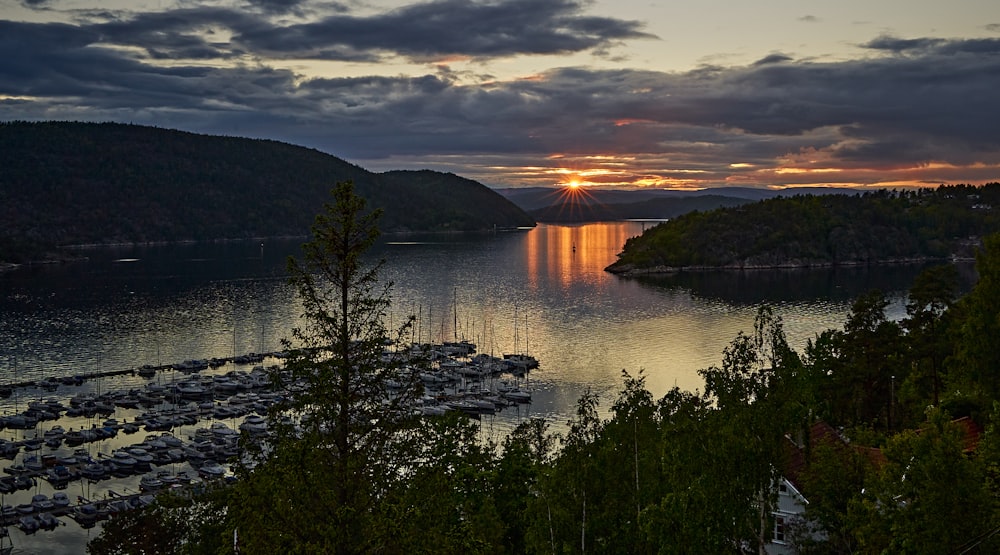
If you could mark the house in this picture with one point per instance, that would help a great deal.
(789, 512)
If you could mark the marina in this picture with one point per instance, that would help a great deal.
(185, 427)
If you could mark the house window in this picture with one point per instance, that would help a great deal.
(779, 529)
(783, 487)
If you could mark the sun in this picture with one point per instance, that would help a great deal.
(573, 184)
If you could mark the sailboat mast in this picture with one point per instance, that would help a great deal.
(526, 334)
(516, 342)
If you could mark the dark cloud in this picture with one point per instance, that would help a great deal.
(772, 59)
(286, 6)
(427, 31)
(188, 34)
(913, 102)
(451, 28)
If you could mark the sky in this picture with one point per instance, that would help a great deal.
(516, 93)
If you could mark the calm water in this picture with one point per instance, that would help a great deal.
(546, 288)
(125, 307)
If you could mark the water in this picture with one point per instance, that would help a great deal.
(545, 288)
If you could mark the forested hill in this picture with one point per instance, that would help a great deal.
(828, 230)
(64, 183)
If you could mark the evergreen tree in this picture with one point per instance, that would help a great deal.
(342, 442)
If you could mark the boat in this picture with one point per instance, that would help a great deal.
(150, 482)
(221, 430)
(517, 395)
(123, 459)
(211, 470)
(41, 502)
(33, 464)
(47, 521)
(141, 456)
(94, 471)
(28, 524)
(86, 515)
(254, 425)
(59, 476)
(9, 449)
(60, 500)
(191, 390)
(171, 440)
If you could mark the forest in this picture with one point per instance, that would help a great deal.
(909, 461)
(821, 230)
(68, 183)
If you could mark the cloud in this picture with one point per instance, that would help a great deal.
(446, 28)
(287, 6)
(910, 103)
(772, 59)
(423, 32)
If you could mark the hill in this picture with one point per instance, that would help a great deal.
(651, 208)
(589, 204)
(828, 230)
(65, 183)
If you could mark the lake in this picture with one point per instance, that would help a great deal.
(542, 291)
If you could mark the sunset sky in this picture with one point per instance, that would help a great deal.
(636, 93)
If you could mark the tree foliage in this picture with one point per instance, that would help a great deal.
(70, 183)
(827, 230)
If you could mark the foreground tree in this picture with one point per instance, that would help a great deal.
(177, 524)
(973, 370)
(931, 496)
(342, 442)
(927, 321)
(755, 392)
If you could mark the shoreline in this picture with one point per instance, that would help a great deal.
(629, 270)
(61, 257)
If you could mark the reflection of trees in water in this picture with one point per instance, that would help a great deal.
(753, 287)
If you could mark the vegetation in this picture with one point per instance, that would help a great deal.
(69, 183)
(827, 230)
(908, 461)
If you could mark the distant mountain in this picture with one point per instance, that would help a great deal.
(64, 183)
(651, 208)
(587, 204)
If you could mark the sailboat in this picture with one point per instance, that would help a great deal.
(519, 363)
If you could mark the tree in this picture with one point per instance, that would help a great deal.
(931, 297)
(755, 393)
(527, 451)
(175, 525)
(342, 442)
(930, 496)
(977, 359)
(864, 380)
